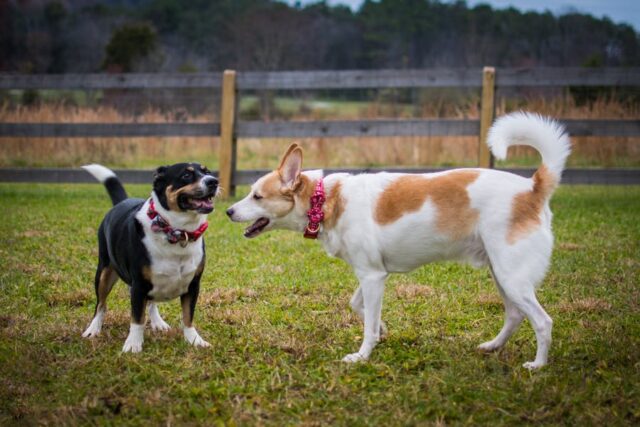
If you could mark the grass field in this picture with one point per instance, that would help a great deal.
(275, 310)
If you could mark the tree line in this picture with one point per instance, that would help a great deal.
(210, 35)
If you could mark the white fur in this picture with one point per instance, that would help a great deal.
(134, 341)
(193, 338)
(172, 266)
(99, 172)
(156, 321)
(374, 251)
(96, 325)
(542, 133)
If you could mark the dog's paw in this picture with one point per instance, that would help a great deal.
(354, 358)
(134, 341)
(159, 325)
(488, 347)
(533, 365)
(193, 338)
(92, 331)
(132, 346)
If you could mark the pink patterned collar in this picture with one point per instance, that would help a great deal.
(315, 213)
(174, 235)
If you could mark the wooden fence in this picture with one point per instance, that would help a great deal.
(229, 129)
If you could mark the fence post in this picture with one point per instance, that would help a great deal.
(487, 114)
(227, 153)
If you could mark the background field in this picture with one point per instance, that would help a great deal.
(275, 310)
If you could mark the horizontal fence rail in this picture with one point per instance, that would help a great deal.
(350, 79)
(230, 129)
(246, 177)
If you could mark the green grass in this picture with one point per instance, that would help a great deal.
(275, 310)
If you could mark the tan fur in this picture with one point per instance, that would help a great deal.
(172, 196)
(108, 277)
(447, 192)
(185, 302)
(146, 273)
(527, 206)
(333, 207)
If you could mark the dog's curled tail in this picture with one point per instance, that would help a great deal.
(110, 180)
(542, 133)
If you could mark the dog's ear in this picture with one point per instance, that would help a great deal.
(291, 166)
(159, 173)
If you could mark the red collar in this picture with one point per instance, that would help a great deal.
(174, 235)
(315, 213)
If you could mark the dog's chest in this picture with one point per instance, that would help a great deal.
(172, 267)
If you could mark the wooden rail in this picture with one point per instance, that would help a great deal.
(230, 128)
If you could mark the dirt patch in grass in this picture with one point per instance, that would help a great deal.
(588, 305)
(412, 291)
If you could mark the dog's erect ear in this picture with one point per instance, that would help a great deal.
(291, 166)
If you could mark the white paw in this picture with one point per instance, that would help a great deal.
(193, 338)
(134, 341)
(533, 365)
(354, 358)
(94, 328)
(132, 347)
(159, 325)
(92, 331)
(488, 346)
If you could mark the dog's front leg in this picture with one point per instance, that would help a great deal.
(372, 289)
(135, 338)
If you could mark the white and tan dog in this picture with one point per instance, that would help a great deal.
(391, 222)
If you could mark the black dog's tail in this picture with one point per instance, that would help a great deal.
(110, 180)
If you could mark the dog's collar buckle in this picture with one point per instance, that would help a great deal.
(174, 235)
(315, 213)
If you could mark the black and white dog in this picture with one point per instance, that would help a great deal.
(154, 246)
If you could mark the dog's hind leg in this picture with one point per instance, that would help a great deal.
(357, 305)
(512, 320)
(156, 321)
(104, 281)
(372, 288)
(519, 288)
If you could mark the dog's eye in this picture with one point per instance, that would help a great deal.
(186, 175)
(256, 196)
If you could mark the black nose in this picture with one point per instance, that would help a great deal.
(211, 182)
(230, 211)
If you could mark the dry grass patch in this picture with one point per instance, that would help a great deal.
(76, 298)
(226, 296)
(568, 246)
(589, 305)
(412, 291)
(489, 299)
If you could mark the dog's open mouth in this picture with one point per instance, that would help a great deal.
(202, 205)
(256, 228)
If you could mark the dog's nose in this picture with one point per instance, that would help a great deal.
(230, 212)
(211, 182)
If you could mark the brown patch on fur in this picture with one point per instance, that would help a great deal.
(271, 186)
(108, 277)
(146, 273)
(527, 206)
(191, 168)
(334, 206)
(187, 315)
(411, 291)
(172, 196)
(448, 192)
